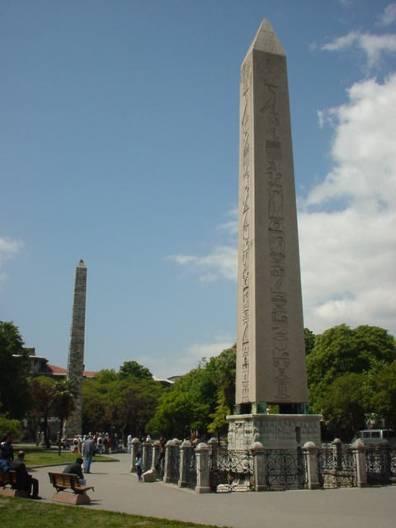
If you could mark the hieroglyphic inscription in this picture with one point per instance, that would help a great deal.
(245, 215)
(270, 69)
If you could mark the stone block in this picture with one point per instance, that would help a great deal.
(9, 492)
(149, 476)
(66, 497)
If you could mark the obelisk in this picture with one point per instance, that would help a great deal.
(76, 351)
(271, 369)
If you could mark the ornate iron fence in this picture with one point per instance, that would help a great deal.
(234, 469)
(160, 465)
(337, 467)
(379, 465)
(393, 463)
(191, 467)
(174, 464)
(147, 456)
(285, 469)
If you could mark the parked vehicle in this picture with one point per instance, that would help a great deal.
(375, 436)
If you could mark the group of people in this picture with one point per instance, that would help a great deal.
(23, 481)
(105, 443)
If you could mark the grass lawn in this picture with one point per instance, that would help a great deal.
(37, 456)
(25, 513)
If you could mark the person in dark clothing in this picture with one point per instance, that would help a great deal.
(7, 450)
(4, 463)
(24, 481)
(75, 468)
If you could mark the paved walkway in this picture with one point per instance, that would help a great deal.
(118, 490)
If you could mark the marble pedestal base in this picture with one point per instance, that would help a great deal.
(274, 431)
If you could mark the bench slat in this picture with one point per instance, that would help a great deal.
(62, 481)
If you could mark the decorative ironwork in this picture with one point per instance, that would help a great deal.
(393, 463)
(174, 464)
(160, 466)
(232, 468)
(379, 465)
(147, 456)
(337, 467)
(191, 467)
(285, 469)
(327, 459)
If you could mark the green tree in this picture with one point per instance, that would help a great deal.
(383, 393)
(43, 394)
(309, 338)
(200, 400)
(118, 401)
(14, 372)
(344, 404)
(63, 402)
(13, 427)
(218, 425)
(135, 370)
(222, 368)
(341, 350)
(177, 415)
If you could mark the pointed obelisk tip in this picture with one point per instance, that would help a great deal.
(266, 39)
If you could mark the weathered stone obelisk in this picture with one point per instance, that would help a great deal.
(270, 333)
(76, 351)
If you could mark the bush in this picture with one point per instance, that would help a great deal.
(10, 426)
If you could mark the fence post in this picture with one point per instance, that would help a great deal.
(155, 455)
(311, 464)
(258, 452)
(359, 457)
(202, 454)
(147, 446)
(167, 469)
(213, 449)
(337, 447)
(134, 451)
(387, 460)
(183, 477)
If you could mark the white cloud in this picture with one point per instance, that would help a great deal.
(230, 227)
(348, 252)
(388, 16)
(219, 263)
(8, 248)
(372, 45)
(198, 351)
(188, 358)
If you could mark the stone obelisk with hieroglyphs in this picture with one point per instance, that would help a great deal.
(270, 335)
(76, 351)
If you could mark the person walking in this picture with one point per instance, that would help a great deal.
(138, 465)
(129, 443)
(88, 451)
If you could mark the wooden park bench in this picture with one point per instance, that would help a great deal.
(8, 485)
(68, 481)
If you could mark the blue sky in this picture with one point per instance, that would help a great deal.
(119, 145)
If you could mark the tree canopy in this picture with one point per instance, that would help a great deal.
(200, 400)
(14, 372)
(122, 401)
(133, 369)
(351, 375)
